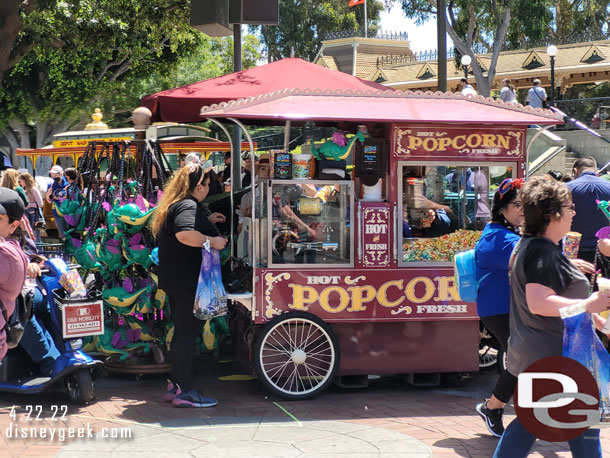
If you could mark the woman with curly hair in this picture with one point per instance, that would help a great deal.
(183, 226)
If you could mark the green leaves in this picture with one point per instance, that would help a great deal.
(84, 52)
(304, 24)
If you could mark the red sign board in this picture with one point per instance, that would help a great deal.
(81, 320)
(364, 295)
(375, 234)
(459, 143)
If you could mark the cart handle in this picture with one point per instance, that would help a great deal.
(396, 233)
(359, 232)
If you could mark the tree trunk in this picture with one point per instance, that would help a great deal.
(11, 23)
(484, 83)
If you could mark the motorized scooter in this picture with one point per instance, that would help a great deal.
(19, 374)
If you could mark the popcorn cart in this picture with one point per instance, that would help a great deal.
(353, 271)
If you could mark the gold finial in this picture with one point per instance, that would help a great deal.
(97, 123)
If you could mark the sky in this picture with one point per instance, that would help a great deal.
(422, 38)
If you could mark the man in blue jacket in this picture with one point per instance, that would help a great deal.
(586, 188)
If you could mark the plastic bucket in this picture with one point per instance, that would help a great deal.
(301, 166)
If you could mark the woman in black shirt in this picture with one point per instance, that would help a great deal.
(183, 225)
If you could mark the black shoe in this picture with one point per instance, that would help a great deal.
(492, 419)
(192, 399)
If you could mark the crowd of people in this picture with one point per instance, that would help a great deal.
(521, 241)
(536, 95)
(524, 280)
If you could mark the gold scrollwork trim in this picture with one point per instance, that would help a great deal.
(270, 279)
(407, 309)
(400, 151)
(352, 281)
(517, 150)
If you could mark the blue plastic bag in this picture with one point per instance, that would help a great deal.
(211, 297)
(581, 343)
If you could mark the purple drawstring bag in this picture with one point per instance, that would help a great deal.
(211, 297)
(581, 343)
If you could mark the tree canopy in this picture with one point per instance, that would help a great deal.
(75, 52)
(303, 24)
(488, 26)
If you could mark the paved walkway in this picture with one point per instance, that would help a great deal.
(388, 419)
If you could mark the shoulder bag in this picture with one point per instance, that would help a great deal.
(15, 324)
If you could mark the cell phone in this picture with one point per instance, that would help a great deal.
(36, 258)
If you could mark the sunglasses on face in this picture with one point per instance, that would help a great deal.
(570, 206)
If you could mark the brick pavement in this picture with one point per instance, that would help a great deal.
(443, 417)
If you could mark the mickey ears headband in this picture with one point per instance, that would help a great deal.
(509, 184)
(193, 165)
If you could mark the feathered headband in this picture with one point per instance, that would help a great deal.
(509, 184)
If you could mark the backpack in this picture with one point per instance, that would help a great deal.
(465, 271)
(15, 324)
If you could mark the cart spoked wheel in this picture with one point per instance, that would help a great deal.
(79, 385)
(297, 355)
(502, 361)
(488, 356)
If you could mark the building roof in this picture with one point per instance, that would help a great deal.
(339, 54)
(572, 61)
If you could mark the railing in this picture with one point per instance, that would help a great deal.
(382, 35)
(276, 140)
(593, 112)
(479, 48)
(421, 56)
(575, 37)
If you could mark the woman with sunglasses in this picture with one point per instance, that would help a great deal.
(493, 252)
(543, 281)
(183, 226)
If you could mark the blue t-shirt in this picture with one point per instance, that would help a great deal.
(586, 189)
(493, 254)
(58, 192)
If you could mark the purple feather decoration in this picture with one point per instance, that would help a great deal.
(128, 285)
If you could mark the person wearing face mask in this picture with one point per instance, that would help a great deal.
(183, 225)
(55, 195)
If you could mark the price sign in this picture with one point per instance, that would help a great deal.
(81, 320)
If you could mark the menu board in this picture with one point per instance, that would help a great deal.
(370, 162)
(282, 166)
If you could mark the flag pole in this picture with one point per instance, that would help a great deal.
(365, 22)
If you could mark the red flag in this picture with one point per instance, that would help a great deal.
(355, 2)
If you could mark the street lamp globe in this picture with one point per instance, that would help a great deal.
(466, 60)
(551, 51)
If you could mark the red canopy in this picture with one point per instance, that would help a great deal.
(378, 106)
(184, 103)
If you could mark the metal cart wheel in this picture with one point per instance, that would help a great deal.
(502, 361)
(297, 355)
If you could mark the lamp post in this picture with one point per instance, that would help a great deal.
(551, 51)
(466, 61)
